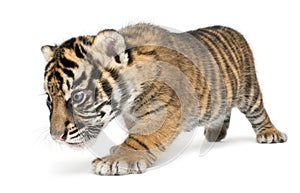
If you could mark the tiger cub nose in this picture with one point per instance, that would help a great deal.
(60, 136)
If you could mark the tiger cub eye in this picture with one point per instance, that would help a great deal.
(77, 96)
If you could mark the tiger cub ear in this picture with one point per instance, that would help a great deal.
(48, 52)
(112, 45)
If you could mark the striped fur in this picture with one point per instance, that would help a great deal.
(162, 83)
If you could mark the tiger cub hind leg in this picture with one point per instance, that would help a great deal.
(217, 131)
(265, 131)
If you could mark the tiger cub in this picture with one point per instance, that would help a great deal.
(161, 82)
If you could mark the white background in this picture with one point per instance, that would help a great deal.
(31, 162)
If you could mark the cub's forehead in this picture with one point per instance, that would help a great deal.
(83, 40)
(63, 67)
(63, 81)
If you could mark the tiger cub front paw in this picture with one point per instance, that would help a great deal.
(119, 165)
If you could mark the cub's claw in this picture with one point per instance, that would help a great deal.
(119, 165)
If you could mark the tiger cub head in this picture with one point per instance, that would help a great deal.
(81, 81)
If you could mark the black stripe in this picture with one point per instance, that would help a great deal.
(259, 124)
(144, 98)
(247, 90)
(67, 123)
(254, 99)
(117, 167)
(69, 73)
(58, 77)
(50, 77)
(75, 136)
(78, 53)
(131, 146)
(101, 105)
(102, 114)
(72, 132)
(139, 142)
(161, 147)
(85, 40)
(130, 56)
(259, 108)
(49, 102)
(48, 64)
(106, 87)
(256, 113)
(69, 106)
(216, 27)
(151, 52)
(50, 116)
(97, 94)
(142, 144)
(254, 117)
(68, 84)
(67, 63)
(113, 72)
(161, 107)
(69, 43)
(94, 129)
(265, 126)
(82, 49)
